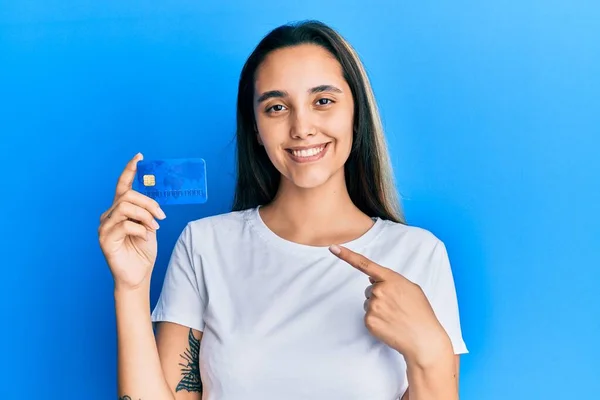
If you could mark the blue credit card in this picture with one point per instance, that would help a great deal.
(172, 181)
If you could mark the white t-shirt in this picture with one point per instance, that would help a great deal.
(282, 320)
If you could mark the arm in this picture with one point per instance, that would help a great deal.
(149, 368)
(428, 379)
(407, 395)
(139, 371)
(400, 314)
(178, 348)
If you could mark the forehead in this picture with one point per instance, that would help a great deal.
(298, 68)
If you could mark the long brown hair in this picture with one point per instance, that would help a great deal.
(368, 172)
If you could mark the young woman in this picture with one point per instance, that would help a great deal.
(313, 286)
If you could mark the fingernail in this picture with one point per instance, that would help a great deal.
(335, 249)
(161, 213)
(155, 224)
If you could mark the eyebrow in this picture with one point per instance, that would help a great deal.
(281, 93)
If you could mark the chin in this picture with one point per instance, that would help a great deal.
(311, 179)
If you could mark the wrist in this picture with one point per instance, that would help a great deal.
(142, 287)
(141, 291)
(432, 374)
(433, 352)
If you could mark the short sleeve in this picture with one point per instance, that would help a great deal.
(183, 297)
(441, 293)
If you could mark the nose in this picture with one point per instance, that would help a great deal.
(301, 126)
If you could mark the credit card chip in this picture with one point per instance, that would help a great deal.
(149, 180)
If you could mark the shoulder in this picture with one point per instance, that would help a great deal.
(220, 222)
(225, 226)
(415, 252)
(409, 236)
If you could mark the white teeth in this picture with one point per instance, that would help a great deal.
(308, 153)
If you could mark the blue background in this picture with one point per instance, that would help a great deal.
(492, 113)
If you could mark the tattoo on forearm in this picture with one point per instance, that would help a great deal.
(125, 398)
(191, 369)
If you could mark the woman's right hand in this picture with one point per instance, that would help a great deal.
(127, 232)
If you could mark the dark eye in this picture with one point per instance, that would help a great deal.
(324, 101)
(275, 108)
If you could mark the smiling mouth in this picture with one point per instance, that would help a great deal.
(308, 154)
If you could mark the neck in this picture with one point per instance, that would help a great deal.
(315, 215)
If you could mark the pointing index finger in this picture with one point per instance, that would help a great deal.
(361, 263)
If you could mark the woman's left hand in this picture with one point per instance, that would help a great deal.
(397, 311)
